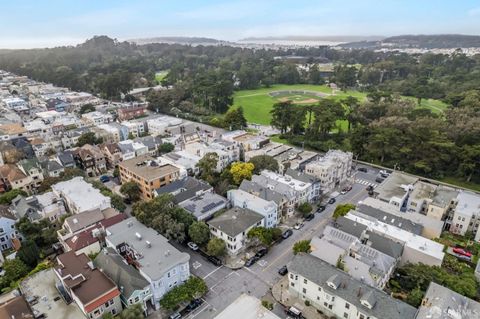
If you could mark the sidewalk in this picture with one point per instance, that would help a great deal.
(235, 262)
(281, 294)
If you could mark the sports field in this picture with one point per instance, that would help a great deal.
(159, 76)
(258, 103)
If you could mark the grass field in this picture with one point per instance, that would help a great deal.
(258, 103)
(159, 76)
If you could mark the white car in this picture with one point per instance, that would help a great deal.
(298, 226)
(192, 246)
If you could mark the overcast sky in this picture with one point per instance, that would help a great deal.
(41, 23)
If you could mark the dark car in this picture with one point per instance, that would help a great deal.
(369, 188)
(287, 233)
(331, 201)
(214, 260)
(321, 208)
(104, 178)
(261, 252)
(283, 271)
(379, 180)
(309, 217)
(362, 169)
(251, 261)
(194, 304)
(370, 193)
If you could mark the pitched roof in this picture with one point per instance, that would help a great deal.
(125, 276)
(184, 189)
(235, 221)
(351, 290)
(394, 220)
(11, 172)
(16, 308)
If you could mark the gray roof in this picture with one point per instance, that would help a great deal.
(262, 192)
(184, 188)
(126, 147)
(306, 178)
(442, 303)
(51, 166)
(66, 158)
(443, 196)
(391, 219)
(235, 221)
(85, 219)
(204, 205)
(350, 289)
(391, 187)
(281, 188)
(385, 245)
(350, 226)
(125, 276)
(26, 206)
(157, 258)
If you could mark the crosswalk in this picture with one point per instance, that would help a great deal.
(366, 183)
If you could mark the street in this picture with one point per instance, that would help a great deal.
(225, 285)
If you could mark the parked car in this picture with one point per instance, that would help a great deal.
(462, 252)
(384, 173)
(362, 169)
(214, 260)
(283, 271)
(194, 304)
(261, 252)
(298, 226)
(251, 261)
(175, 315)
(287, 233)
(331, 201)
(370, 193)
(309, 217)
(321, 208)
(379, 180)
(192, 246)
(104, 178)
(369, 188)
(294, 313)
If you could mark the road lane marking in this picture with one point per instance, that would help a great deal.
(211, 272)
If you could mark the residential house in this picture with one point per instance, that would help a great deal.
(160, 125)
(38, 207)
(227, 152)
(466, 215)
(233, 226)
(268, 209)
(152, 143)
(80, 196)
(246, 307)
(134, 288)
(305, 192)
(66, 159)
(337, 294)
(8, 232)
(442, 203)
(33, 169)
(440, 302)
(131, 110)
(185, 160)
(97, 118)
(420, 196)
(332, 170)
(395, 190)
(148, 174)
(204, 206)
(112, 153)
(52, 168)
(135, 128)
(91, 159)
(79, 281)
(247, 141)
(11, 131)
(161, 264)
(184, 189)
(16, 308)
(138, 148)
(57, 104)
(285, 201)
(15, 178)
(315, 190)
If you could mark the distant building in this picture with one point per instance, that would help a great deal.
(8, 232)
(184, 189)
(131, 110)
(466, 215)
(332, 170)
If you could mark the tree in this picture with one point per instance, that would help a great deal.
(216, 247)
(87, 108)
(302, 246)
(131, 190)
(166, 148)
(89, 138)
(29, 253)
(305, 208)
(6, 198)
(199, 233)
(117, 202)
(14, 269)
(234, 119)
(264, 162)
(193, 288)
(281, 116)
(342, 210)
(415, 297)
(107, 315)
(207, 166)
(116, 172)
(266, 236)
(132, 312)
(241, 171)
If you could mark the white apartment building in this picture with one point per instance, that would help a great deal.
(268, 209)
(332, 170)
(466, 215)
(160, 125)
(304, 191)
(97, 118)
(136, 128)
(227, 152)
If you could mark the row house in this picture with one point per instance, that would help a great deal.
(91, 159)
(268, 209)
(132, 110)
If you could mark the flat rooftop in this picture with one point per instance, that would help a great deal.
(392, 186)
(148, 168)
(246, 307)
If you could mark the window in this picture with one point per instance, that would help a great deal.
(305, 281)
(291, 276)
(292, 284)
(304, 290)
(319, 289)
(347, 305)
(362, 316)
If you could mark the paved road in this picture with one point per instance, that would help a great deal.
(225, 285)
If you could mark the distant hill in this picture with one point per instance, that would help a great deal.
(436, 41)
(302, 38)
(178, 40)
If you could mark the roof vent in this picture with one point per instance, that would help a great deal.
(75, 221)
(149, 244)
(138, 235)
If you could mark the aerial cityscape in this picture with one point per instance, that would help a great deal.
(240, 159)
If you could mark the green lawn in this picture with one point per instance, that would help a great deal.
(461, 183)
(257, 103)
(159, 76)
